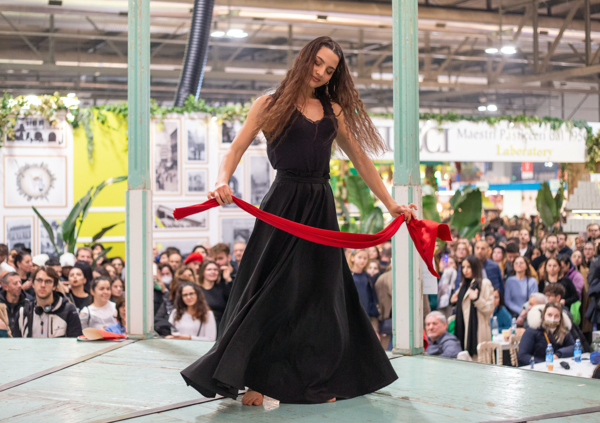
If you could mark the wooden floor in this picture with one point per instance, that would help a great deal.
(145, 375)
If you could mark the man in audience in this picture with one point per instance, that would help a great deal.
(55, 264)
(14, 298)
(238, 251)
(175, 261)
(593, 231)
(535, 299)
(441, 342)
(4, 266)
(551, 251)
(524, 243)
(555, 293)
(386, 255)
(563, 248)
(84, 254)
(490, 238)
(490, 267)
(221, 254)
(50, 315)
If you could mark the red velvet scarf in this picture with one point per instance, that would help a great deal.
(422, 232)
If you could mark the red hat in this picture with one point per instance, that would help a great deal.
(194, 257)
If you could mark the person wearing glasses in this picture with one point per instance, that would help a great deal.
(50, 315)
(191, 318)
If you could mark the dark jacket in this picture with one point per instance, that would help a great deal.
(12, 309)
(571, 294)
(62, 320)
(534, 344)
(504, 318)
(446, 345)
(593, 311)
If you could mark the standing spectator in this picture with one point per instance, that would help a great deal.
(490, 238)
(175, 261)
(593, 232)
(85, 254)
(500, 312)
(441, 342)
(550, 252)
(164, 279)
(373, 269)
(445, 286)
(215, 289)
(121, 326)
(24, 266)
(88, 273)
(519, 287)
(116, 289)
(552, 270)
(570, 271)
(374, 254)
(186, 272)
(525, 247)
(77, 295)
(194, 261)
(119, 266)
(563, 248)
(202, 250)
(14, 298)
(383, 289)
(491, 270)
(588, 253)
(512, 252)
(100, 271)
(4, 266)
(536, 252)
(578, 262)
(192, 318)
(55, 264)
(112, 272)
(386, 255)
(499, 257)
(238, 252)
(364, 285)
(50, 315)
(221, 255)
(579, 242)
(5, 331)
(96, 251)
(547, 325)
(101, 312)
(474, 306)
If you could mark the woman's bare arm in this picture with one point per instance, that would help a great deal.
(367, 170)
(222, 193)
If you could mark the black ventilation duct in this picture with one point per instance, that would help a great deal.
(190, 81)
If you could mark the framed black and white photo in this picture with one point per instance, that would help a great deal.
(39, 181)
(196, 181)
(229, 129)
(196, 135)
(37, 131)
(164, 220)
(235, 228)
(260, 178)
(18, 232)
(44, 243)
(165, 143)
(236, 183)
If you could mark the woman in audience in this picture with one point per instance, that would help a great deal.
(374, 254)
(500, 311)
(588, 254)
(571, 272)
(87, 273)
(364, 285)
(445, 286)
(24, 265)
(499, 257)
(518, 288)
(112, 272)
(216, 291)
(202, 250)
(474, 301)
(191, 317)
(463, 249)
(552, 272)
(579, 263)
(548, 324)
(121, 326)
(119, 265)
(77, 295)
(183, 273)
(535, 253)
(101, 312)
(116, 289)
(373, 269)
(100, 271)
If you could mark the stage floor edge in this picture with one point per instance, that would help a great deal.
(140, 382)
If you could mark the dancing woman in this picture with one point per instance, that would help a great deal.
(294, 328)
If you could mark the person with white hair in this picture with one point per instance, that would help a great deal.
(441, 342)
(536, 298)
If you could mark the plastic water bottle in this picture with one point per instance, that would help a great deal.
(577, 351)
(495, 331)
(550, 358)
(532, 363)
(513, 326)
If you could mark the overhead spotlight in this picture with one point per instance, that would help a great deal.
(491, 50)
(237, 33)
(508, 50)
(217, 34)
(482, 108)
(492, 107)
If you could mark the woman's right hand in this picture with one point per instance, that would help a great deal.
(222, 194)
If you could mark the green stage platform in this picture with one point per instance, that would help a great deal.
(140, 382)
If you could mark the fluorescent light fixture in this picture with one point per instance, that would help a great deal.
(548, 164)
(482, 108)
(586, 211)
(217, 34)
(491, 50)
(492, 107)
(508, 50)
(237, 33)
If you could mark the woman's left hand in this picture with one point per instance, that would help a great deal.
(408, 211)
(473, 294)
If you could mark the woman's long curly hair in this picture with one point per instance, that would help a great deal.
(201, 308)
(340, 89)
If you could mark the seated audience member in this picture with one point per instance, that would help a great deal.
(445, 287)
(121, 326)
(77, 280)
(175, 260)
(383, 290)
(119, 265)
(87, 273)
(215, 289)
(500, 312)
(13, 297)
(101, 312)
(67, 261)
(84, 254)
(238, 252)
(547, 325)
(116, 289)
(191, 316)
(4, 266)
(5, 331)
(552, 274)
(194, 261)
(536, 299)
(441, 342)
(221, 255)
(569, 271)
(555, 293)
(24, 267)
(49, 315)
(55, 264)
(519, 287)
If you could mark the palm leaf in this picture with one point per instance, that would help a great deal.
(103, 253)
(360, 195)
(103, 231)
(48, 229)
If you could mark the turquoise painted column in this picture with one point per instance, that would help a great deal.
(139, 292)
(407, 303)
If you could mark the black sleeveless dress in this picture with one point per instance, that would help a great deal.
(294, 328)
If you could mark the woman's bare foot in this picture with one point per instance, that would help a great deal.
(252, 398)
(331, 400)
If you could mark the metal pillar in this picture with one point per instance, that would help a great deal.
(588, 26)
(407, 297)
(51, 42)
(536, 44)
(140, 306)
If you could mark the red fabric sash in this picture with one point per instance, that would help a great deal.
(422, 232)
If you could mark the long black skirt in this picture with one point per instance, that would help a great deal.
(294, 328)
